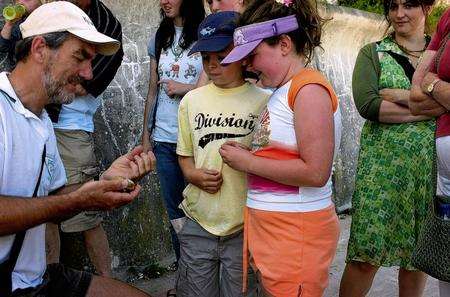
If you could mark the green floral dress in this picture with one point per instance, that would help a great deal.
(393, 181)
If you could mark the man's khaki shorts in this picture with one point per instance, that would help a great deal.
(76, 148)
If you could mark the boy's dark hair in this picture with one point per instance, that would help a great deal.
(192, 12)
(53, 40)
(305, 38)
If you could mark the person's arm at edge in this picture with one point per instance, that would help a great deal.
(441, 91)
(6, 41)
(441, 94)
(420, 103)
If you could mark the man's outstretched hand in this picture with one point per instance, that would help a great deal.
(104, 194)
(133, 165)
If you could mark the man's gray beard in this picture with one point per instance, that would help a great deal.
(55, 90)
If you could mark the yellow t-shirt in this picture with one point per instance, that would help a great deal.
(207, 118)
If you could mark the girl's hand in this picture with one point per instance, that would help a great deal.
(237, 144)
(174, 88)
(236, 156)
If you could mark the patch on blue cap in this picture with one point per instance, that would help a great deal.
(207, 31)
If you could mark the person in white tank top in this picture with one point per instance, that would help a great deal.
(289, 207)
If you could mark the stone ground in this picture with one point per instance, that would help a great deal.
(385, 283)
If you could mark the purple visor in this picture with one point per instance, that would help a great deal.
(247, 38)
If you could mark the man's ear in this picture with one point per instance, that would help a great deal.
(39, 49)
(286, 44)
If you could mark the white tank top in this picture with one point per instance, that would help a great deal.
(275, 139)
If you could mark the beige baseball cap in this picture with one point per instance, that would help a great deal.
(61, 16)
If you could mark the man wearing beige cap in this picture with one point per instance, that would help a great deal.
(83, 237)
(54, 58)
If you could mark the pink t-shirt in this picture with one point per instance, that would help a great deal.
(442, 67)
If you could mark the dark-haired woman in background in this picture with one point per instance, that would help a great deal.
(172, 74)
(393, 182)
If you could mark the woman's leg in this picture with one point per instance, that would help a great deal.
(411, 283)
(357, 279)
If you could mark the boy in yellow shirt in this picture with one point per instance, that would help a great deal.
(226, 109)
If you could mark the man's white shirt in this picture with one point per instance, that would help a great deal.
(22, 139)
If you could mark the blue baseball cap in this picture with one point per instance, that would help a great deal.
(215, 32)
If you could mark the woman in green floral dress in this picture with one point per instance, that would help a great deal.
(393, 181)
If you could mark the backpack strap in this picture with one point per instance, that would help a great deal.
(375, 57)
(53, 110)
(404, 63)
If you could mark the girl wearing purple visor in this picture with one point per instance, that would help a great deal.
(290, 228)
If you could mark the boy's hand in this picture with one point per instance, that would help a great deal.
(208, 180)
